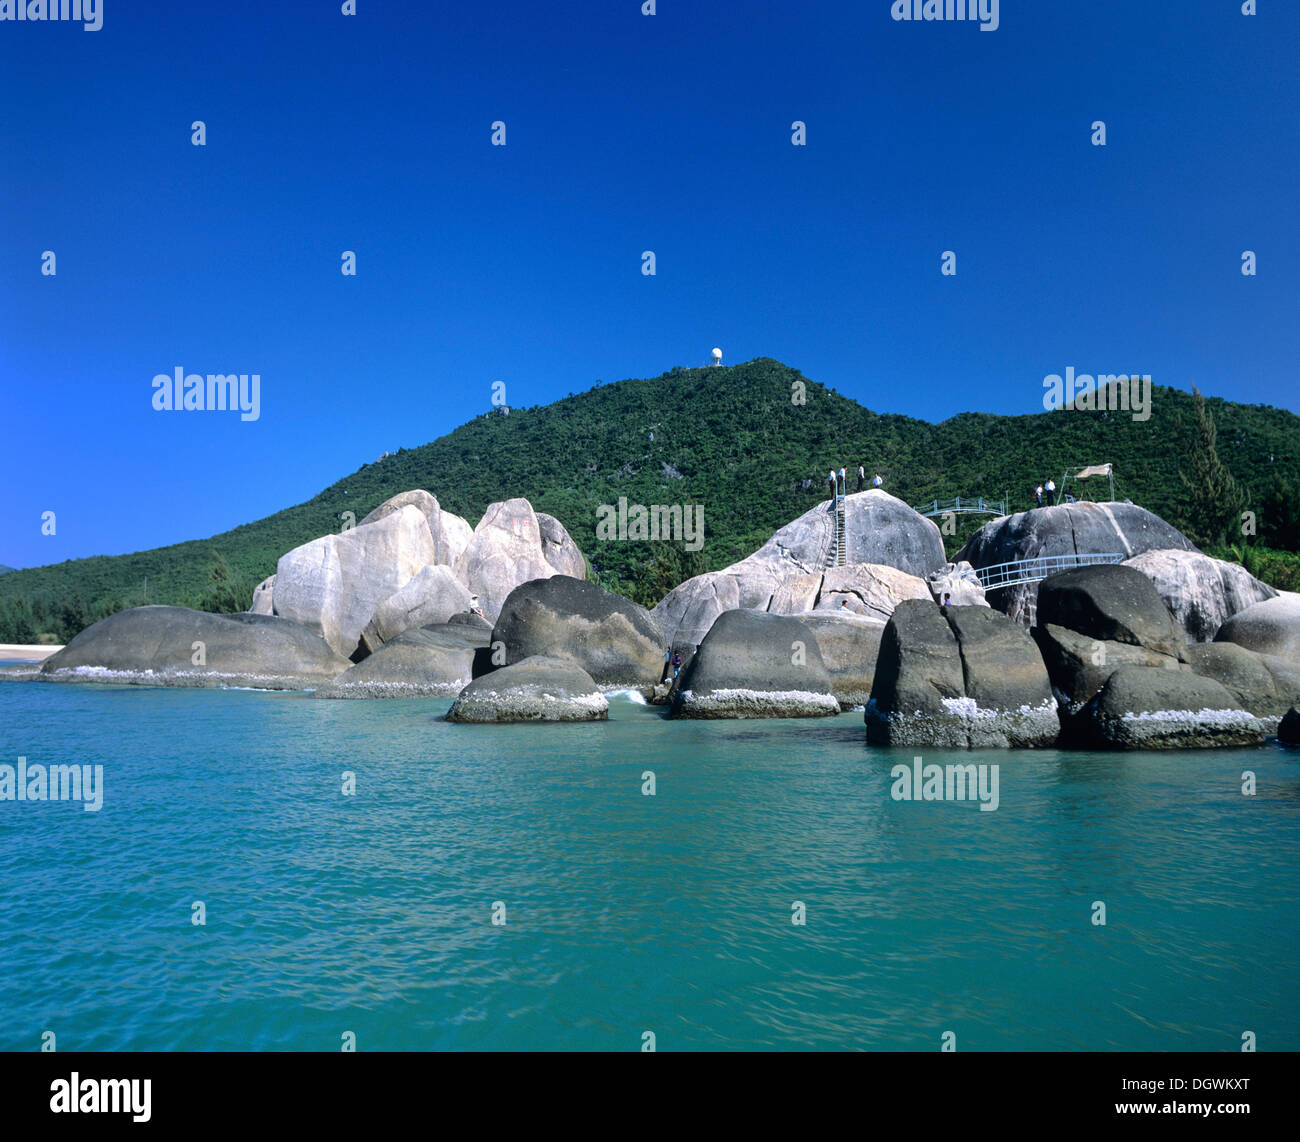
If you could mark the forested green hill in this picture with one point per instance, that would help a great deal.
(731, 439)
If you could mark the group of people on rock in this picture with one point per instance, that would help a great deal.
(839, 481)
(1045, 493)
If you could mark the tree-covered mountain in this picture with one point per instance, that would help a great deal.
(752, 443)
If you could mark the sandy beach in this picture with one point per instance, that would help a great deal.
(17, 652)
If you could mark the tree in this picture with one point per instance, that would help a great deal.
(1213, 499)
(224, 595)
(1279, 514)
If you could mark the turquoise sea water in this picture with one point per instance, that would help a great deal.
(625, 913)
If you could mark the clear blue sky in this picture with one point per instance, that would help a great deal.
(625, 133)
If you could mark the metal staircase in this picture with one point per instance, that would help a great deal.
(837, 552)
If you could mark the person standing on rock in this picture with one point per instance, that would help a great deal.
(1038, 496)
(877, 482)
(832, 479)
(862, 476)
(1051, 491)
(844, 487)
(677, 665)
(947, 599)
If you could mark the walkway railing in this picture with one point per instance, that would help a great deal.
(968, 504)
(1033, 570)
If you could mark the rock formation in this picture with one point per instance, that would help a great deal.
(537, 689)
(433, 596)
(753, 664)
(613, 639)
(174, 646)
(959, 678)
(508, 548)
(1144, 707)
(1065, 530)
(333, 585)
(1202, 593)
(1269, 627)
(450, 533)
(433, 661)
(788, 575)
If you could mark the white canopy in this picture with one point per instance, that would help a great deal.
(1095, 470)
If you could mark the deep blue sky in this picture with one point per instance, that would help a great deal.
(625, 133)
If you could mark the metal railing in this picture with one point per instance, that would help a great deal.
(1033, 570)
(969, 504)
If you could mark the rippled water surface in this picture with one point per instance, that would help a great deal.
(625, 913)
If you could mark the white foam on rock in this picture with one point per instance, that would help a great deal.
(1203, 717)
(633, 696)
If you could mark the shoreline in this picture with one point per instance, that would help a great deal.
(18, 652)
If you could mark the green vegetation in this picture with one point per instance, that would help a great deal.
(731, 439)
(1280, 569)
(1214, 501)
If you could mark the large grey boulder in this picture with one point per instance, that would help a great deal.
(420, 662)
(753, 664)
(537, 689)
(881, 529)
(1008, 693)
(333, 585)
(1143, 707)
(849, 646)
(507, 548)
(871, 591)
(1247, 676)
(687, 613)
(1202, 593)
(617, 642)
(1269, 627)
(919, 692)
(478, 623)
(959, 678)
(877, 528)
(1112, 603)
(433, 596)
(1064, 530)
(1079, 665)
(262, 597)
(559, 549)
(449, 532)
(175, 646)
(788, 574)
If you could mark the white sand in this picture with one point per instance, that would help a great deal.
(16, 652)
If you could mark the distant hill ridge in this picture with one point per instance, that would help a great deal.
(731, 439)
